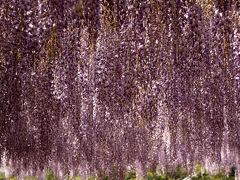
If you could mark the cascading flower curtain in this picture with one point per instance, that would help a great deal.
(97, 86)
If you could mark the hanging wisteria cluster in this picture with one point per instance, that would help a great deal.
(97, 86)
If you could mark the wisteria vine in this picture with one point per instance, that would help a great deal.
(98, 86)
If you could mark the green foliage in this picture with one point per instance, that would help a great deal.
(68, 177)
(221, 175)
(153, 176)
(103, 178)
(50, 175)
(76, 178)
(2, 176)
(232, 172)
(198, 169)
(73, 178)
(130, 175)
(13, 178)
(30, 178)
(91, 178)
(178, 174)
